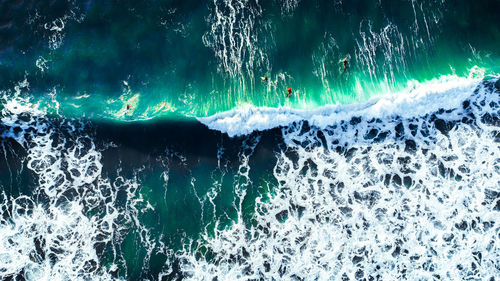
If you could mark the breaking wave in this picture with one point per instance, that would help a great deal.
(446, 92)
(403, 187)
(409, 195)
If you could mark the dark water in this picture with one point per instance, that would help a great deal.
(399, 181)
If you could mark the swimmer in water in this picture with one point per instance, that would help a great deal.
(345, 64)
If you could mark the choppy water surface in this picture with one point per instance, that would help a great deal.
(389, 170)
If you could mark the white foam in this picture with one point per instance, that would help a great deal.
(418, 99)
(419, 203)
(57, 240)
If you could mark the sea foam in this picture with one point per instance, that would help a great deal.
(416, 100)
(410, 195)
(403, 187)
(56, 230)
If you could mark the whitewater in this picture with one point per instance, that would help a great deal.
(446, 92)
(403, 187)
(249, 140)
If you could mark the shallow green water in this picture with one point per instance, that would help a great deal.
(192, 58)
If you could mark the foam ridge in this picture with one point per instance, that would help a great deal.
(417, 100)
(387, 198)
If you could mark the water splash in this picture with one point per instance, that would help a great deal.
(59, 231)
(392, 198)
(234, 32)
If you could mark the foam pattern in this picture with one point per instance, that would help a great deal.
(417, 99)
(60, 230)
(233, 35)
(409, 191)
(388, 198)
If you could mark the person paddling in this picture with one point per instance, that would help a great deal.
(345, 64)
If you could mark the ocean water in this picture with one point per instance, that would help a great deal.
(139, 142)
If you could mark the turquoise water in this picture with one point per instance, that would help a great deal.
(387, 170)
(186, 58)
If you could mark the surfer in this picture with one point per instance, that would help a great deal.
(345, 64)
(288, 92)
(129, 107)
(265, 79)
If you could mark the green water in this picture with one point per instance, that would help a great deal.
(171, 59)
(192, 188)
(177, 183)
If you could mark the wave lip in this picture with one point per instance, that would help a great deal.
(417, 99)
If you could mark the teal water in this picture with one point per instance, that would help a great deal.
(188, 58)
(401, 189)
